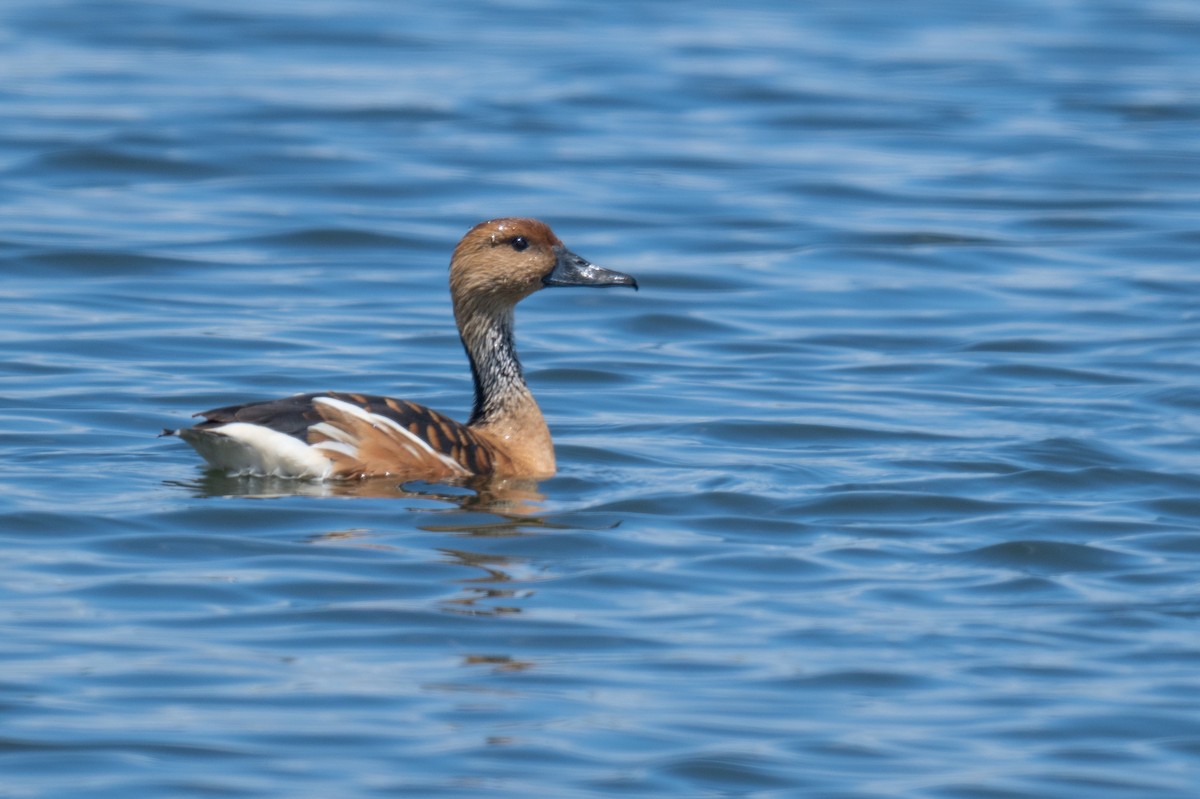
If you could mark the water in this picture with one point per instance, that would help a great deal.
(884, 485)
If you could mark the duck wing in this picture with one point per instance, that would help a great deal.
(363, 435)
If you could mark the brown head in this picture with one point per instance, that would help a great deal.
(502, 261)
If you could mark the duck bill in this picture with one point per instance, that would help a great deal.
(571, 270)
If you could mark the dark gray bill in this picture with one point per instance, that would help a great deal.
(571, 270)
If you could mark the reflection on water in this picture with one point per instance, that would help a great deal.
(491, 495)
(481, 593)
(499, 663)
(489, 508)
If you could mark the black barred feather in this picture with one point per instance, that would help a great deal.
(294, 416)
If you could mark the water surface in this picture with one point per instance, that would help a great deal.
(884, 485)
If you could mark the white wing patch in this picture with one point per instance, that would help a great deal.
(241, 448)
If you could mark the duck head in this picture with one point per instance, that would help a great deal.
(508, 259)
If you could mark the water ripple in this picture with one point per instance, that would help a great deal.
(883, 484)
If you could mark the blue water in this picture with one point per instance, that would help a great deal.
(885, 484)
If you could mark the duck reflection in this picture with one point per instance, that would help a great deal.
(505, 495)
(498, 663)
(485, 594)
(471, 508)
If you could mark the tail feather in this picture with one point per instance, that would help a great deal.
(242, 448)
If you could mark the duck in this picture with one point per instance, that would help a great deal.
(339, 436)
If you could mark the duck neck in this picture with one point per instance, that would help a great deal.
(505, 413)
(500, 389)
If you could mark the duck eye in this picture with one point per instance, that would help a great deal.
(520, 243)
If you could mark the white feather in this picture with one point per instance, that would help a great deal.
(250, 449)
(341, 447)
(334, 433)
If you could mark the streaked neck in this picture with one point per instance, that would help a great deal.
(500, 389)
(505, 413)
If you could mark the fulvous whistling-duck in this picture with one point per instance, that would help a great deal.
(339, 436)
